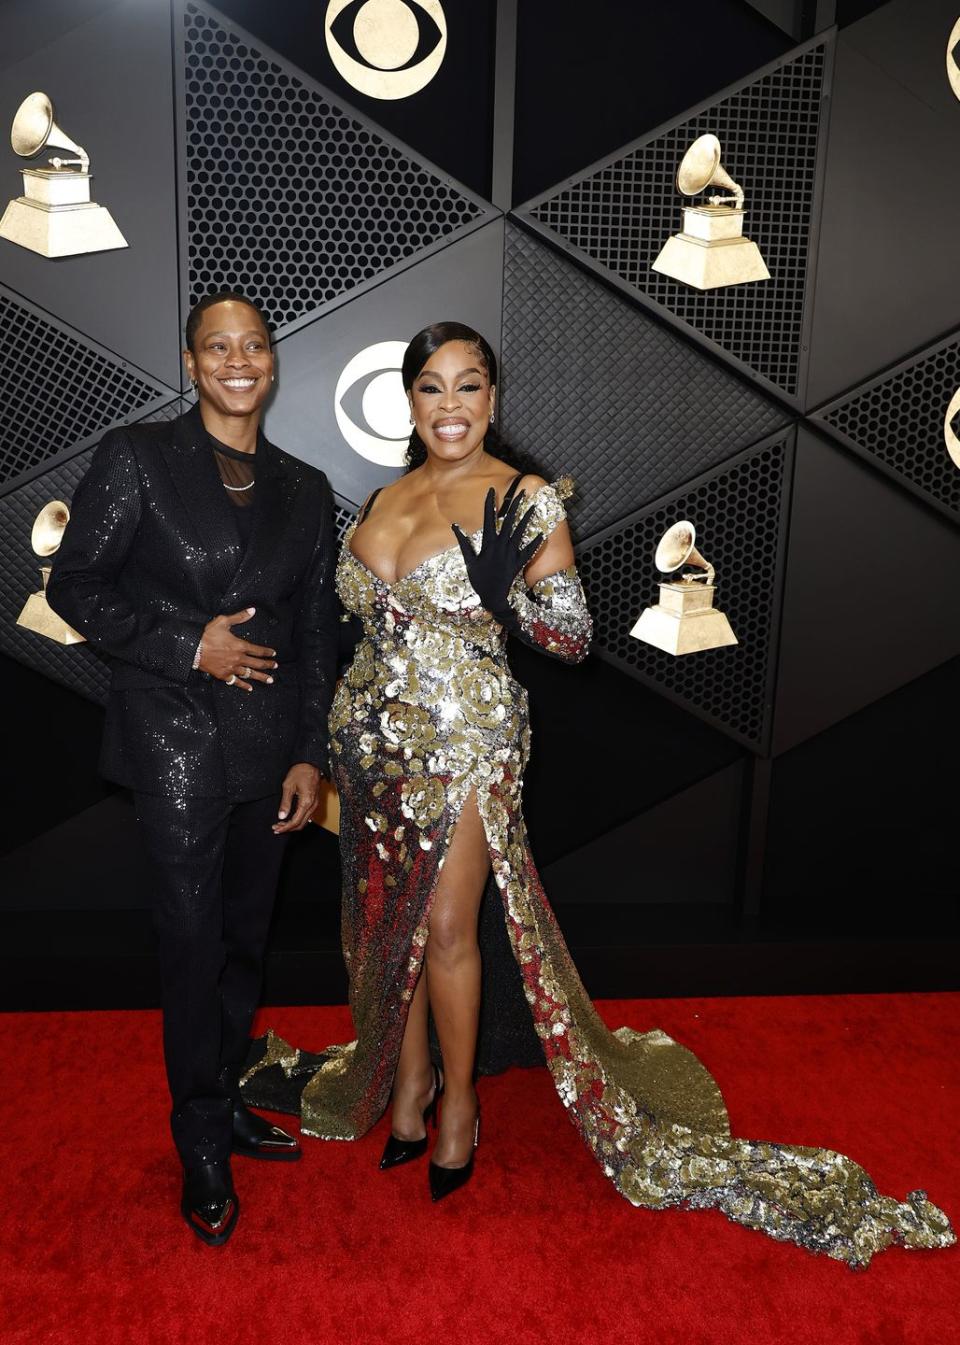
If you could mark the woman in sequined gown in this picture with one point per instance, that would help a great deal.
(430, 738)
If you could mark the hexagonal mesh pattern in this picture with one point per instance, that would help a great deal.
(319, 202)
(737, 514)
(622, 214)
(42, 415)
(898, 419)
(75, 666)
(593, 386)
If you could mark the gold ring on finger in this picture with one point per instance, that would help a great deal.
(231, 679)
(244, 672)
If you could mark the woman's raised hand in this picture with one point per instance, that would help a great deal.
(502, 554)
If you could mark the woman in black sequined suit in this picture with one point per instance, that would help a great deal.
(199, 558)
(430, 737)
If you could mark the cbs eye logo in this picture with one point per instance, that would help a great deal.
(951, 428)
(386, 48)
(370, 391)
(953, 58)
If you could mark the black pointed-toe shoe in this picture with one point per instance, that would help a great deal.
(397, 1151)
(254, 1137)
(209, 1203)
(444, 1181)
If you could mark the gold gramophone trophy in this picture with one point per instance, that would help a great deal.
(37, 614)
(55, 215)
(685, 620)
(711, 251)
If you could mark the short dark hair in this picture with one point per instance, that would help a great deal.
(221, 297)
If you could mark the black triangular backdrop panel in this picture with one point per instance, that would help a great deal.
(76, 666)
(621, 212)
(318, 201)
(897, 420)
(594, 386)
(59, 388)
(739, 514)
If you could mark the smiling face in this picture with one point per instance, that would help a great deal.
(452, 400)
(231, 361)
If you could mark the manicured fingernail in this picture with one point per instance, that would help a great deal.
(281, 816)
(251, 610)
(269, 681)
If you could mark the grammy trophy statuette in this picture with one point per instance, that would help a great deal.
(685, 620)
(37, 614)
(55, 215)
(711, 251)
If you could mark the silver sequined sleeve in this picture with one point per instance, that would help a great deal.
(104, 519)
(552, 614)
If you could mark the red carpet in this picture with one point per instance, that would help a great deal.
(538, 1248)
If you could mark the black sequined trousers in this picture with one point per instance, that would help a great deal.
(216, 865)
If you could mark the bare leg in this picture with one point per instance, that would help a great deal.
(413, 1081)
(453, 980)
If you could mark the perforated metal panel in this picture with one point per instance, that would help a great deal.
(58, 388)
(738, 513)
(343, 515)
(75, 666)
(178, 407)
(314, 201)
(593, 386)
(897, 420)
(622, 212)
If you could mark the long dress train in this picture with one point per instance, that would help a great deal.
(426, 716)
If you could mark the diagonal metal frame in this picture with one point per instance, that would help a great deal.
(164, 394)
(524, 214)
(487, 211)
(818, 418)
(787, 437)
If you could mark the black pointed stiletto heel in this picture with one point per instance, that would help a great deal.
(444, 1181)
(397, 1151)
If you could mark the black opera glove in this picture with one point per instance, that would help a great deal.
(502, 556)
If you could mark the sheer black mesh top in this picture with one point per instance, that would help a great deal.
(237, 472)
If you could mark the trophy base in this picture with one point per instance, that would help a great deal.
(39, 616)
(685, 632)
(60, 231)
(709, 264)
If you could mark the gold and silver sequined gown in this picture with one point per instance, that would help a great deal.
(428, 714)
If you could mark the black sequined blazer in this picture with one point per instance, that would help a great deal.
(150, 555)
